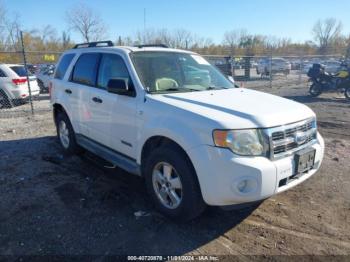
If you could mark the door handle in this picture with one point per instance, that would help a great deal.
(68, 91)
(97, 100)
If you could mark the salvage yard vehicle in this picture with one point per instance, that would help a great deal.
(13, 85)
(171, 117)
(43, 77)
(275, 65)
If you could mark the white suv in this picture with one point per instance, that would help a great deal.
(171, 117)
(14, 86)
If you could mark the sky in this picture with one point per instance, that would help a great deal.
(206, 18)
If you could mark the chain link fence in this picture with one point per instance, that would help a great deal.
(248, 71)
(273, 71)
(21, 95)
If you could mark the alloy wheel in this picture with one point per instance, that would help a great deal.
(167, 185)
(63, 134)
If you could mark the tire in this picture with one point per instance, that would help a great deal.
(266, 72)
(66, 134)
(315, 90)
(5, 102)
(41, 86)
(347, 93)
(183, 182)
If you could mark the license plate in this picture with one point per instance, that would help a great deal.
(304, 160)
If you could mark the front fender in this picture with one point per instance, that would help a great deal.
(185, 135)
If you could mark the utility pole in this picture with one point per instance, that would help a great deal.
(144, 25)
(27, 73)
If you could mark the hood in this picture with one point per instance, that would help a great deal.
(239, 108)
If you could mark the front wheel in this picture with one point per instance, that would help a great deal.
(172, 184)
(315, 90)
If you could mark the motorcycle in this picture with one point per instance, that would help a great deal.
(321, 81)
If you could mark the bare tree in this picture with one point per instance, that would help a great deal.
(2, 25)
(182, 38)
(48, 33)
(233, 39)
(88, 24)
(154, 36)
(13, 31)
(326, 32)
(65, 39)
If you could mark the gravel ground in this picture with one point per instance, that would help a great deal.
(54, 205)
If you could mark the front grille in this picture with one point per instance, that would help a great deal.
(289, 138)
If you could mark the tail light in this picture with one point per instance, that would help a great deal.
(19, 81)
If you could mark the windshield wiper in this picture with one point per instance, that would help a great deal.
(176, 89)
(214, 87)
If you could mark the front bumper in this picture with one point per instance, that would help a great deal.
(221, 174)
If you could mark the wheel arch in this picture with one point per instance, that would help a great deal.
(59, 108)
(157, 141)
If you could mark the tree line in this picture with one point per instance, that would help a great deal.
(327, 37)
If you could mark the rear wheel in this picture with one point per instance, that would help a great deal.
(66, 134)
(172, 184)
(5, 102)
(41, 86)
(315, 90)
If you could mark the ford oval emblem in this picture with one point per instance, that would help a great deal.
(300, 138)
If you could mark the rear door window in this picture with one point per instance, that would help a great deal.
(63, 66)
(85, 70)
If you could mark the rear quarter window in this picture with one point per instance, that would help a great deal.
(63, 66)
(19, 70)
(2, 74)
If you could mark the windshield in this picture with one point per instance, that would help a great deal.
(162, 72)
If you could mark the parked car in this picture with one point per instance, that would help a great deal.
(13, 85)
(253, 64)
(44, 77)
(195, 138)
(32, 68)
(276, 65)
(332, 66)
(306, 67)
(222, 63)
(295, 64)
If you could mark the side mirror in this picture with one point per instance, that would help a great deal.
(119, 86)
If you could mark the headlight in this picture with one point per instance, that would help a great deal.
(247, 142)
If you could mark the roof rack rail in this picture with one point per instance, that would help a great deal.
(94, 44)
(153, 45)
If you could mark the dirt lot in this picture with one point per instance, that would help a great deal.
(55, 205)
